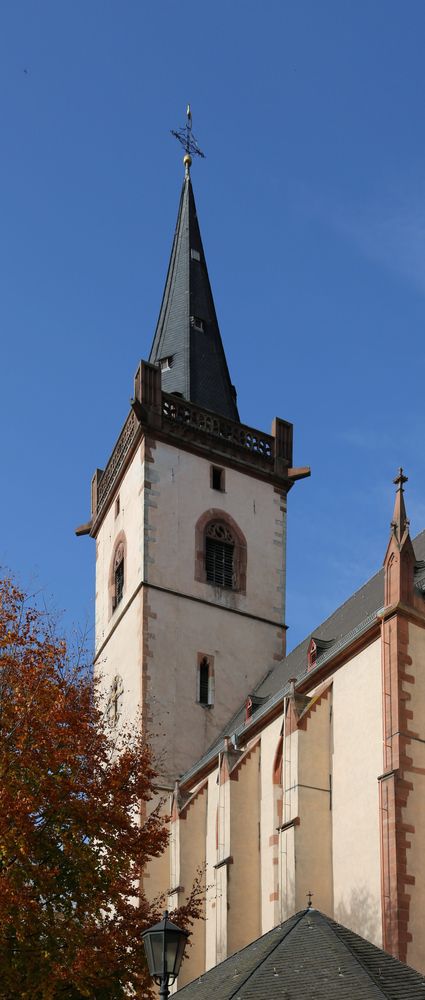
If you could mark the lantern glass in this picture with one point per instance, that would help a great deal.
(164, 946)
(154, 945)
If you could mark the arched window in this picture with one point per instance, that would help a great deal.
(219, 555)
(118, 576)
(205, 681)
(220, 551)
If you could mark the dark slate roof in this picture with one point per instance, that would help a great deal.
(348, 621)
(308, 956)
(198, 369)
(342, 626)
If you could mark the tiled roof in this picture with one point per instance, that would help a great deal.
(187, 332)
(311, 956)
(347, 621)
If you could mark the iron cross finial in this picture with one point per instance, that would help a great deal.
(400, 479)
(187, 139)
(309, 898)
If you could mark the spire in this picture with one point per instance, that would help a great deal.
(399, 562)
(187, 342)
(399, 523)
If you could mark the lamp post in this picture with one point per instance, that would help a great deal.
(164, 946)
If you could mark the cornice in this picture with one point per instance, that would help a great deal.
(178, 422)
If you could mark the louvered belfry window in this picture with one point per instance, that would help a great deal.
(219, 555)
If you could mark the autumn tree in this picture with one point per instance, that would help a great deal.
(76, 828)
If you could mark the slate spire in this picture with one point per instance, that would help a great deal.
(187, 342)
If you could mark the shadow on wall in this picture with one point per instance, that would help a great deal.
(361, 914)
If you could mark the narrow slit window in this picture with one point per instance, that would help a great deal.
(204, 682)
(118, 577)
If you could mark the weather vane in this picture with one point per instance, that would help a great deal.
(186, 137)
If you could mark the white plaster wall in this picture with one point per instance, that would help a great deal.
(242, 650)
(244, 874)
(159, 525)
(121, 655)
(356, 765)
(182, 494)
(313, 835)
(269, 743)
(130, 520)
(192, 858)
(210, 874)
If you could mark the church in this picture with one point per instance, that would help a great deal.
(285, 774)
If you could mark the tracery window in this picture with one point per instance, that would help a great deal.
(219, 555)
(220, 551)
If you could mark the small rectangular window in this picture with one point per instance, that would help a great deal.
(195, 255)
(217, 478)
(117, 505)
(165, 364)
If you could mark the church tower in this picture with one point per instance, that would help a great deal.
(189, 519)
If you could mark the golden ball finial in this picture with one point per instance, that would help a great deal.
(187, 160)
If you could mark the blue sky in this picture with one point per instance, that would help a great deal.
(312, 210)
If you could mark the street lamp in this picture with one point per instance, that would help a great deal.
(164, 946)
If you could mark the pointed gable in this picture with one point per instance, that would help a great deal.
(187, 342)
(399, 562)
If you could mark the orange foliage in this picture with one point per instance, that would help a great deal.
(75, 833)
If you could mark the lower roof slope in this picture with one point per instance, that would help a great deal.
(308, 955)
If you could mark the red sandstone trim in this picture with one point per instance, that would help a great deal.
(394, 788)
